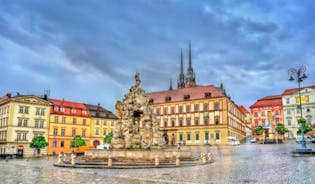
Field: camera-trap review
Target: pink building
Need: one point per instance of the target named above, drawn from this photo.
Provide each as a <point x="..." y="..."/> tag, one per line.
<point x="267" y="112"/>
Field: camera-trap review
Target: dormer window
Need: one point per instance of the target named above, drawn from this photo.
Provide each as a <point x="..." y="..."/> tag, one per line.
<point x="73" y="111"/>
<point x="56" y="108"/>
<point x="186" y="97"/>
<point x="62" y="109"/>
<point x="151" y="101"/>
<point x="168" y="99"/>
<point x="208" y="94"/>
<point x="84" y="112"/>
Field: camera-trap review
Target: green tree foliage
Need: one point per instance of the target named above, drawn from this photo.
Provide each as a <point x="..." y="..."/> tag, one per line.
<point x="108" y="138"/>
<point x="280" y="129"/>
<point x="302" y="123"/>
<point x="258" y="130"/>
<point x="77" y="141"/>
<point x="38" y="142"/>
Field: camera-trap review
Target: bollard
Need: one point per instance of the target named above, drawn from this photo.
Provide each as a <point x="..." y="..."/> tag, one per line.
<point x="110" y="161"/>
<point x="157" y="160"/>
<point x="72" y="159"/>
<point x="177" y="161"/>
<point x="59" y="158"/>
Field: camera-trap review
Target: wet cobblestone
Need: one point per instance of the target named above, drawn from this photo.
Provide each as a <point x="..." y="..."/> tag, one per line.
<point x="248" y="163"/>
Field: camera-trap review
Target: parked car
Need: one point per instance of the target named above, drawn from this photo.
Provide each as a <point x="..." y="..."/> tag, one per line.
<point x="233" y="141"/>
<point x="252" y="140"/>
<point x="104" y="146"/>
<point x="307" y="138"/>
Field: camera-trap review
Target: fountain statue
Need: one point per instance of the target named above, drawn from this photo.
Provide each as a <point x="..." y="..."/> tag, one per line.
<point x="137" y="126"/>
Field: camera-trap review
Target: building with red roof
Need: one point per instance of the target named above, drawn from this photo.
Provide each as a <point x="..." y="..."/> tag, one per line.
<point x="267" y="112"/>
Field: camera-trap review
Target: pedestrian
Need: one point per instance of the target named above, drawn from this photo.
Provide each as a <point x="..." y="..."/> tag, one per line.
<point x="178" y="147"/>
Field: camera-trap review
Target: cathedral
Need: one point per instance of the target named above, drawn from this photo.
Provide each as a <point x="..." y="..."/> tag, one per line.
<point x="189" y="80"/>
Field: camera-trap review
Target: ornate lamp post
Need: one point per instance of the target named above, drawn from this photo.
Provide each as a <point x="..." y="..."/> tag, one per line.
<point x="299" y="75"/>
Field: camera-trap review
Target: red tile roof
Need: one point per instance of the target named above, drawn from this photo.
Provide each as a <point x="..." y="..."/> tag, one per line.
<point x="243" y="109"/>
<point x="177" y="95"/>
<point x="63" y="103"/>
<point x="268" y="101"/>
<point x="294" y="90"/>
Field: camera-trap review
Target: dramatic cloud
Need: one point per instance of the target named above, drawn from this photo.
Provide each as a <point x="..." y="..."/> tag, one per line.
<point x="89" y="51"/>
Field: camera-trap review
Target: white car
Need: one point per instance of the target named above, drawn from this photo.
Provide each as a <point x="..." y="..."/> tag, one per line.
<point x="103" y="146"/>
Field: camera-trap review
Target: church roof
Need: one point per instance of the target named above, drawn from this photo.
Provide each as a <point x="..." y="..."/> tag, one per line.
<point x="268" y="101"/>
<point x="177" y="95"/>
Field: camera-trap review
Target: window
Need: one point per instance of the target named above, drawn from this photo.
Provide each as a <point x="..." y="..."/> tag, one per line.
<point x="97" y="122"/>
<point x="42" y="112"/>
<point x="180" y="122"/>
<point x="55" y="131"/>
<point x="188" y="122"/>
<point x="165" y="123"/>
<point x="263" y="113"/>
<point x="256" y="122"/>
<point x="308" y="109"/>
<point x="73" y="132"/>
<point x="289" y="122"/>
<point x="188" y="136"/>
<point x="36" y="123"/>
<point x="21" y="109"/>
<point x="63" y="132"/>
<point x="263" y="122"/>
<point x="62" y="109"/>
<point x="173" y="110"/>
<point x="180" y="109"/>
<point x="158" y="111"/>
<point x="56" y="119"/>
<point x="207" y="95"/>
<point x="168" y="99"/>
<point x="97" y="131"/>
<point x="165" y="110"/>
<point x="104" y="132"/>
<point x="112" y="123"/>
<point x="74" y="120"/>
<point x="41" y="124"/>
<point x="216" y="106"/>
<point x="25" y="123"/>
<point x="187" y="108"/>
<point x="180" y="137"/>
<point x="216" y="119"/>
<point x="206" y="135"/>
<point x="62" y="144"/>
<point x="56" y="108"/>
<point x="255" y="114"/>
<point x="18" y="136"/>
<point x="276" y="112"/>
<point x="20" y="122"/>
<point x="288" y="111"/>
<point x="196" y="107"/>
<point x="197" y="136"/>
<point x="277" y="121"/>
<point x="105" y="123"/>
<point x="63" y="120"/>
<point x="186" y="97"/>
<point x="217" y="135"/>
<point x="205" y="107"/>
<point x="287" y="100"/>
<point x="298" y="109"/>
<point x="173" y="123"/>
<point x="196" y="122"/>
<point x="206" y="121"/>
<point x="84" y="112"/>
<point x="84" y="122"/>
<point x="37" y="111"/>
<point x="83" y="132"/>
<point x="26" y="110"/>
<point x="309" y="120"/>
<point x="73" y="111"/>
<point x="24" y="136"/>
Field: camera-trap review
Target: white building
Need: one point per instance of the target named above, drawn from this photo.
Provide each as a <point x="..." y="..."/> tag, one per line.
<point x="291" y="108"/>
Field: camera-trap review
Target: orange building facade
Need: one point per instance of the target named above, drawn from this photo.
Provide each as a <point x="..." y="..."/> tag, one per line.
<point x="267" y="112"/>
<point x="67" y="119"/>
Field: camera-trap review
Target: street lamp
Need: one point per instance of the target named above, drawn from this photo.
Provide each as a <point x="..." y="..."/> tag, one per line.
<point x="299" y="75"/>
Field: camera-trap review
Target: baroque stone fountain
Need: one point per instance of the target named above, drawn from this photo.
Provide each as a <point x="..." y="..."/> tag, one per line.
<point x="137" y="141"/>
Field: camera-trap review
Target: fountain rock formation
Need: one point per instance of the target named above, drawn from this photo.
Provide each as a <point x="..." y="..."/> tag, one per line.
<point x="137" y="126"/>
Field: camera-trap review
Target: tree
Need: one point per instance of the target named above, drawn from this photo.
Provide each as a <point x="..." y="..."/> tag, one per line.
<point x="306" y="127"/>
<point x="77" y="141"/>
<point x="37" y="143"/>
<point x="258" y="130"/>
<point x="280" y="129"/>
<point x="108" y="138"/>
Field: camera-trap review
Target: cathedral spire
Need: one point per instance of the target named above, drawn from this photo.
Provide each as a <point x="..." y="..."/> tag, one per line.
<point x="189" y="57"/>
<point x="190" y="76"/>
<point x="181" y="80"/>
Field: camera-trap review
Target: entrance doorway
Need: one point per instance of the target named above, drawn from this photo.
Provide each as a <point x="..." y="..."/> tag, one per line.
<point x="96" y="143"/>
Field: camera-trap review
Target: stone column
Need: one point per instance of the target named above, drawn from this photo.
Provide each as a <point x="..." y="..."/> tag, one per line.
<point x="157" y="160"/>
<point x="59" y="158"/>
<point x="177" y="161"/>
<point x="110" y="161"/>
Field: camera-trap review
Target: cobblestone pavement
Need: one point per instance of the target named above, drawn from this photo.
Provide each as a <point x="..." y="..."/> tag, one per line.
<point x="247" y="163"/>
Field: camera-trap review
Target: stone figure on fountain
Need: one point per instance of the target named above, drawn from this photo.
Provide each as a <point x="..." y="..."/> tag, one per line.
<point x="137" y="126"/>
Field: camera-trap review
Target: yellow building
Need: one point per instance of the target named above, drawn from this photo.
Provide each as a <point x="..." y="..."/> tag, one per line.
<point x="22" y="118"/>
<point x="102" y="123"/>
<point x="197" y="115"/>
<point x="67" y="119"/>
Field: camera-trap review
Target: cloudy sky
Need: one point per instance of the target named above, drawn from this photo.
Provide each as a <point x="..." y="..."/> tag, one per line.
<point x="88" y="51"/>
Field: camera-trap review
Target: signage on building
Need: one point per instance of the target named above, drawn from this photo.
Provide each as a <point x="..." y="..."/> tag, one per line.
<point x="304" y="99"/>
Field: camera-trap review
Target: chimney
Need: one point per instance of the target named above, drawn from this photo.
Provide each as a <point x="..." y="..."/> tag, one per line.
<point x="8" y="95"/>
